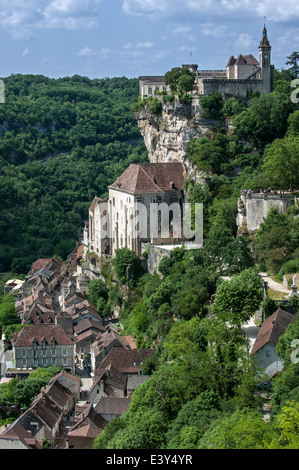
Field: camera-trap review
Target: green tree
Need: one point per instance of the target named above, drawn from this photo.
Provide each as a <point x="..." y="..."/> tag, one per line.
<point x="127" y="265"/>
<point x="180" y="79"/>
<point x="211" y="106"/>
<point x="238" y="298"/>
<point x="97" y="290"/>
<point x="240" y="430"/>
<point x="293" y="60"/>
<point x="7" y="311"/>
<point x="281" y="165"/>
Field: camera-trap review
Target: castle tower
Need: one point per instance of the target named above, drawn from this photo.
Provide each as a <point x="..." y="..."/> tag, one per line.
<point x="265" y="63"/>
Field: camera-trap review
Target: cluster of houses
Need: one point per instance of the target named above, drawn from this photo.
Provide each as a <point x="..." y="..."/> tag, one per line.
<point x="63" y="329"/>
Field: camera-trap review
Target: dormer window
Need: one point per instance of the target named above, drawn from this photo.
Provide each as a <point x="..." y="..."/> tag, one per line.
<point x="34" y="344"/>
<point x="44" y="344"/>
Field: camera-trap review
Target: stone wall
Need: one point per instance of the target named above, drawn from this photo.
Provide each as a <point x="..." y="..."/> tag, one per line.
<point x="237" y="88"/>
<point x="252" y="210"/>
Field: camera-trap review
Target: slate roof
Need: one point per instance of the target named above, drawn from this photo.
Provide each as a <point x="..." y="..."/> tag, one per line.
<point x="272" y="329"/>
<point x="242" y="60"/>
<point x="150" y="178"/>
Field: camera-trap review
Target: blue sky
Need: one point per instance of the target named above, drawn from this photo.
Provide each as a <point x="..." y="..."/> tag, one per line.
<point x="113" y="38"/>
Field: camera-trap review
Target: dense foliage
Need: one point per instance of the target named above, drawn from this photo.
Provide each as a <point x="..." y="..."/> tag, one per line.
<point x="62" y="142"/>
<point x="204" y="389"/>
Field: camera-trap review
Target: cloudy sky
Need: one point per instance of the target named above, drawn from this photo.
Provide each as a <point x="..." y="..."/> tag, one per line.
<point x="112" y="38"/>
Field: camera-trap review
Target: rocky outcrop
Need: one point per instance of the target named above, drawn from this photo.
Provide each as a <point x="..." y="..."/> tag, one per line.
<point x="166" y="136"/>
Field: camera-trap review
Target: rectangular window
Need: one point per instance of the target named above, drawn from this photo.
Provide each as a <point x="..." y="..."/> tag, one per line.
<point x="35" y="362"/>
<point x="53" y="361"/>
<point x="24" y="353"/>
<point x="24" y="362"/>
<point x="53" y="352"/>
<point x="64" y="352"/>
<point x="44" y="362"/>
<point x="44" y="353"/>
<point x="65" y="361"/>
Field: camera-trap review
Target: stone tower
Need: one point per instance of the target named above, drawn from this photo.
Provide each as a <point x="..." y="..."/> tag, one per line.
<point x="265" y="63"/>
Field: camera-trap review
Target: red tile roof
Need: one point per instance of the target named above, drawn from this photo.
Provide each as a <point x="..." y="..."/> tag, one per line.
<point x="150" y="178"/>
<point x="27" y="335"/>
<point x="127" y="361"/>
<point x="272" y="329"/>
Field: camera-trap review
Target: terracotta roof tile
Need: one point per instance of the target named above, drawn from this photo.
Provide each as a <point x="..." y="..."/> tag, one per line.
<point x="150" y="178"/>
<point x="272" y="329"/>
<point x="27" y="335"/>
<point x="127" y="361"/>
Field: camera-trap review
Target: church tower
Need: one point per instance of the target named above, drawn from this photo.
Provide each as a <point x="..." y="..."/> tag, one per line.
<point x="265" y="63"/>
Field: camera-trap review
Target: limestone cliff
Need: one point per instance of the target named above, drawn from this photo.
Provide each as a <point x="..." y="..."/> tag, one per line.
<point x="166" y="136"/>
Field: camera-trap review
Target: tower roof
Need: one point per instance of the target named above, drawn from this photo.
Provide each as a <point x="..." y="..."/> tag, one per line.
<point x="265" y="41"/>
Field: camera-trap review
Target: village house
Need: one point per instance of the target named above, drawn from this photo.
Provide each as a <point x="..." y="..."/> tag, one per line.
<point x="43" y="346"/>
<point x="127" y="361"/>
<point x="104" y="344"/>
<point x="107" y="382"/>
<point x="110" y="408"/>
<point x="87" y="425"/>
<point x="83" y="310"/>
<point x="264" y="347"/>
<point x="45" y="418"/>
<point x="85" y="334"/>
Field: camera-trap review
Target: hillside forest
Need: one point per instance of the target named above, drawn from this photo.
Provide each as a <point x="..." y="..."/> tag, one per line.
<point x="64" y="141"/>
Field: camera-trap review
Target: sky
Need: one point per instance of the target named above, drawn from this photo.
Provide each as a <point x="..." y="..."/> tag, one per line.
<point x="115" y="38"/>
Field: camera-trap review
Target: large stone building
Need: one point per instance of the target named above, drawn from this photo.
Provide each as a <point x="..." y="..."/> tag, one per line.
<point x="242" y="75"/>
<point x="43" y="346"/>
<point x="127" y="217"/>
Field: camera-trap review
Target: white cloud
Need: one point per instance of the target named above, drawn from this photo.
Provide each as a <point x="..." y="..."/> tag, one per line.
<point x="145" y="7"/>
<point x="86" y="52"/>
<point x="22" y="18"/>
<point x="182" y="29"/>
<point x="25" y="52"/>
<point x="215" y="30"/>
<point x="244" y="40"/>
<point x="274" y="10"/>
<point x="145" y="45"/>
<point x="89" y="52"/>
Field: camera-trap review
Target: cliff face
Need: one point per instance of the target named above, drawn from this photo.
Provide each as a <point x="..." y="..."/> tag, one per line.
<point x="166" y="136"/>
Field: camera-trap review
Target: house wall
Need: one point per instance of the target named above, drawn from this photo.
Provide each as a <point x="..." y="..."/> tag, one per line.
<point x="12" y="444"/>
<point x="269" y="360"/>
<point x="27" y="356"/>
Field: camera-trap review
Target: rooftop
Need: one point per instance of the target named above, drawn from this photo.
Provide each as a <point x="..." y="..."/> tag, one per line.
<point x="150" y="178"/>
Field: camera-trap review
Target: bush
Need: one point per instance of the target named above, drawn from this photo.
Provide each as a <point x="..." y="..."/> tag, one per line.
<point x="291" y="266"/>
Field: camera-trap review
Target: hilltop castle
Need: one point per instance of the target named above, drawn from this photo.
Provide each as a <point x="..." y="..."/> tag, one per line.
<point x="242" y="75"/>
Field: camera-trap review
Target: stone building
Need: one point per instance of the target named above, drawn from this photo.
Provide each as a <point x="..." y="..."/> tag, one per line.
<point x="43" y="346"/>
<point x="124" y="219"/>
<point x="242" y="75"/>
<point x="264" y="347"/>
